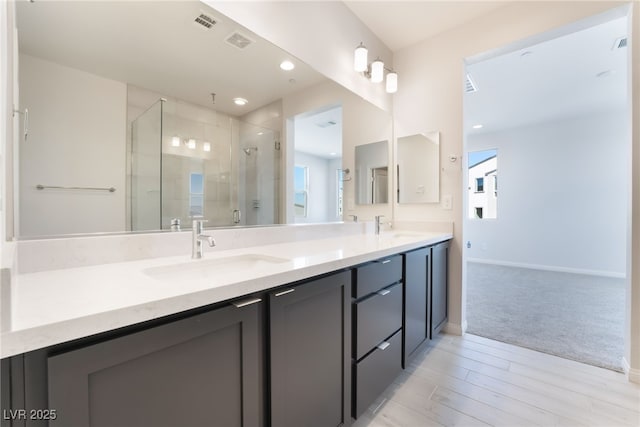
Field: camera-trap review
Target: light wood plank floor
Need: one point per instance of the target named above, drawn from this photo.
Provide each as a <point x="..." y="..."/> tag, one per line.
<point x="475" y="381"/>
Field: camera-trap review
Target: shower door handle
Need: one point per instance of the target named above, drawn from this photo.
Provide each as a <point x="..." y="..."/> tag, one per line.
<point x="236" y="216"/>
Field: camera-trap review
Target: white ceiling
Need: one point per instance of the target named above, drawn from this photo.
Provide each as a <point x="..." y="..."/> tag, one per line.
<point x="551" y="80"/>
<point x="156" y="45"/>
<point x="316" y="135"/>
<point x="403" y="23"/>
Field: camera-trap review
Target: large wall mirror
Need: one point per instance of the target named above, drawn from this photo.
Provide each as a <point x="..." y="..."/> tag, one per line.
<point x="144" y="113"/>
<point x="372" y="173"/>
<point x="418" y="168"/>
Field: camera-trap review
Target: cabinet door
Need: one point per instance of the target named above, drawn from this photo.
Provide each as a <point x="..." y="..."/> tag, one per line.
<point x="439" y="288"/>
<point x="204" y="370"/>
<point x="310" y="361"/>
<point x="416" y="300"/>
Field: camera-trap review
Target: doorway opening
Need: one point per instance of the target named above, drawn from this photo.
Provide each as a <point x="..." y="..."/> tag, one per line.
<point x="545" y="261"/>
<point x="317" y="174"/>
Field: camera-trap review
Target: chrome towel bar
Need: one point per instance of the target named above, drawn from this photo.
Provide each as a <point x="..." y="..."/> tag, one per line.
<point x="109" y="189"/>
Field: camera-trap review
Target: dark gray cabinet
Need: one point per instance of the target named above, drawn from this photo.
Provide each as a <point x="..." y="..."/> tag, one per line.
<point x="417" y="319"/>
<point x="310" y="339"/>
<point x="201" y="370"/>
<point x="314" y="353"/>
<point x="377" y="344"/>
<point x="439" y="287"/>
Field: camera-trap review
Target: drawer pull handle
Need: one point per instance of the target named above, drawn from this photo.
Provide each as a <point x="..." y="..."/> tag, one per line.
<point x="384" y="292"/>
<point x="288" y="291"/>
<point x="246" y="302"/>
<point x="383" y="345"/>
<point x="386" y="261"/>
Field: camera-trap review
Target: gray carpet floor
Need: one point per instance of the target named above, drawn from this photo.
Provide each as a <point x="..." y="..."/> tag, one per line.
<point x="575" y="316"/>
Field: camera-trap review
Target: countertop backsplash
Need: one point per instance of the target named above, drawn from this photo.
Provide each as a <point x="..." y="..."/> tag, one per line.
<point x="71" y="252"/>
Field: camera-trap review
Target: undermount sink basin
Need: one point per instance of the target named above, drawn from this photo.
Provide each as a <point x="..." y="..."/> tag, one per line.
<point x="199" y="269"/>
<point x="404" y="234"/>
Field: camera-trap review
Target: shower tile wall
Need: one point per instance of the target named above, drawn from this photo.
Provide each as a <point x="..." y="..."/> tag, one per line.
<point x="232" y="179"/>
<point x="178" y="163"/>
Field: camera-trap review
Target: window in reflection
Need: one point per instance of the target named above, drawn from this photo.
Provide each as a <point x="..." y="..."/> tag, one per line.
<point x="196" y="195"/>
<point x="301" y="188"/>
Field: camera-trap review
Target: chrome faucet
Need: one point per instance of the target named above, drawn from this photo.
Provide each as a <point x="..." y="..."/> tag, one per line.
<point x="198" y="237"/>
<point x="378" y="222"/>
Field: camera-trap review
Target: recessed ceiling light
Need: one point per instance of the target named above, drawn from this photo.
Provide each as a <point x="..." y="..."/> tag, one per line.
<point x="287" y="65"/>
<point x="240" y="101"/>
<point x="477" y="126"/>
<point x="260" y="133"/>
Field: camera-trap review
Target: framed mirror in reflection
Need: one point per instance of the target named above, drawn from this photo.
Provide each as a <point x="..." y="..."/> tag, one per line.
<point x="418" y="168"/>
<point x="372" y="173"/>
<point x="173" y="105"/>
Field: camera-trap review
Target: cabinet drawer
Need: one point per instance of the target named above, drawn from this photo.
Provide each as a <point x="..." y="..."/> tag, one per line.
<point x="376" y="318"/>
<point x="375" y="372"/>
<point x="378" y="274"/>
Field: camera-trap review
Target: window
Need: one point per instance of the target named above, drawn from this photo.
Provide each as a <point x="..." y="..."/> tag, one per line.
<point x="482" y="178"/>
<point x="301" y="190"/>
<point x="196" y="194"/>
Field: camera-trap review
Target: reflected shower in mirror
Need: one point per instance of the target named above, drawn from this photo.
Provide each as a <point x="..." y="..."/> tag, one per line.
<point x="372" y="173"/>
<point x="483" y="184"/>
<point x="418" y="168"/>
<point x="188" y="162"/>
<point x="136" y="105"/>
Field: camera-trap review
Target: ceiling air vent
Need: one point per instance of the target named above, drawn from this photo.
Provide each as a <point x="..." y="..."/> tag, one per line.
<point x="620" y="43"/>
<point x="205" y="20"/>
<point x="239" y="40"/>
<point x="469" y="85"/>
<point x="326" y="124"/>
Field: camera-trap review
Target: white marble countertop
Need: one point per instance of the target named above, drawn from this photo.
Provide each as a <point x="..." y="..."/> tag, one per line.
<point x="55" y="306"/>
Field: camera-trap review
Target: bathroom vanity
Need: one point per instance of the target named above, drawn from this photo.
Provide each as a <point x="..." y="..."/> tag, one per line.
<point x="310" y="336"/>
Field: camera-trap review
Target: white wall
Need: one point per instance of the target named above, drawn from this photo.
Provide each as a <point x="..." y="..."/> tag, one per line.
<point x="77" y="137"/>
<point x="5" y="108"/>
<point x="320" y="207"/>
<point x="632" y="330"/>
<point x="430" y="98"/>
<point x="562" y="196"/>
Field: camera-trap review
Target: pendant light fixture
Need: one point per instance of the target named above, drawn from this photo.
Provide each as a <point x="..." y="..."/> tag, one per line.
<point x="377" y="71"/>
<point x="392" y="82"/>
<point x="360" y="63"/>
<point x="374" y="71"/>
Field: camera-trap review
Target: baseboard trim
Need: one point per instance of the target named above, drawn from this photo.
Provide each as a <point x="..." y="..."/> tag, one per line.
<point x="454" y="328"/>
<point x="549" y="268"/>
<point x="633" y="375"/>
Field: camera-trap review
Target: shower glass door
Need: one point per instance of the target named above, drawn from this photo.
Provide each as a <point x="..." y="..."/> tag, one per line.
<point x="146" y="134"/>
<point x="196" y="166"/>
<point x="258" y="175"/>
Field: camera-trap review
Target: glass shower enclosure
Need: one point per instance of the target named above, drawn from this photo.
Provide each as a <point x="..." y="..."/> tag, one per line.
<point x="188" y="162"/>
